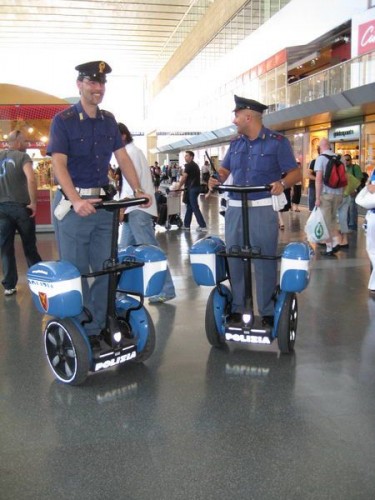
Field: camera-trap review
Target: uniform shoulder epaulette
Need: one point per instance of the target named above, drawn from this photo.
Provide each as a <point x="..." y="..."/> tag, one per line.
<point x="107" y="113"/>
<point x="68" y="113"/>
<point x="276" y="135"/>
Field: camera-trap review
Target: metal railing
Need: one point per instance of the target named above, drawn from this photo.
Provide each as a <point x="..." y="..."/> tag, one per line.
<point x="344" y="76"/>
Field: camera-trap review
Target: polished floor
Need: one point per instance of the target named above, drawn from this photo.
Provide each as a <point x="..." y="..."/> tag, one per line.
<point x="195" y="422"/>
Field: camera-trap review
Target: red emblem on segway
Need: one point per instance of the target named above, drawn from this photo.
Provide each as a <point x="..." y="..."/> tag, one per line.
<point x="43" y="300"/>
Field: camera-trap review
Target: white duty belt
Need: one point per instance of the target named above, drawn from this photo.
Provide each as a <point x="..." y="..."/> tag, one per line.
<point x="264" y="202"/>
<point x="97" y="191"/>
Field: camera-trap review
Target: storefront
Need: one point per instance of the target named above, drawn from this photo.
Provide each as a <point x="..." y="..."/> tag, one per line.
<point x="346" y="140"/>
<point x="31" y="112"/>
<point x="368" y="144"/>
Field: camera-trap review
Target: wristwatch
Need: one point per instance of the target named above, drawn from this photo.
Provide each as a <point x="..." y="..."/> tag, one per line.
<point x="139" y="191"/>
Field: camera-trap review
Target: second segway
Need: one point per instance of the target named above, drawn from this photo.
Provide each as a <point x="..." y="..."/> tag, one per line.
<point x="209" y="256"/>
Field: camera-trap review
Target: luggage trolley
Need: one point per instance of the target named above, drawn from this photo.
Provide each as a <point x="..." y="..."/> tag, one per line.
<point x="208" y="257"/>
<point x="129" y="334"/>
<point x="169" y="208"/>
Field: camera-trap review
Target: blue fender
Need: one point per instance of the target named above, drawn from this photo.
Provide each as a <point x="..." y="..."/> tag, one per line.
<point x="138" y="319"/>
<point x="220" y="302"/>
<point x="278" y="307"/>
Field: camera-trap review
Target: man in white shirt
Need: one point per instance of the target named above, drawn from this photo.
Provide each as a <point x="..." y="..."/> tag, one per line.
<point x="138" y="229"/>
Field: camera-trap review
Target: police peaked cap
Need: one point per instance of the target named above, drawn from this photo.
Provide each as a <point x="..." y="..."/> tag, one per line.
<point x="242" y="103"/>
<point x="94" y="71"/>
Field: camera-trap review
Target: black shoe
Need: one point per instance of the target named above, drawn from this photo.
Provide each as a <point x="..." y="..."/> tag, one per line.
<point x="344" y="246"/>
<point x="336" y="248"/>
<point x="267" y="320"/>
<point x="328" y="254"/>
<point x="235" y="318"/>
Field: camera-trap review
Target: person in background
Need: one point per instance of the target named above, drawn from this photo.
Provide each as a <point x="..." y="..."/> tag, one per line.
<point x="156" y="175"/>
<point x="82" y="141"/>
<point x="138" y="227"/>
<point x="206" y="172"/>
<point x="174" y="172"/>
<point x="328" y="199"/>
<point x="296" y="192"/>
<point x="355" y="170"/>
<point x="18" y="195"/>
<point x="191" y="178"/>
<point x="343" y="210"/>
<point x="311" y="174"/>
<point x="258" y="156"/>
<point x="286" y="207"/>
<point x="370" y="237"/>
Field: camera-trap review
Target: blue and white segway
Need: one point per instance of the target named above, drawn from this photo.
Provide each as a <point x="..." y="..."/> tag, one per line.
<point x="129" y="333"/>
<point x="208" y="257"/>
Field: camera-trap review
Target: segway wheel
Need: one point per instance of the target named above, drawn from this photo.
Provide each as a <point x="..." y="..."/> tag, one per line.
<point x="67" y="351"/>
<point x="287" y="326"/>
<point x="149" y="346"/>
<point x="212" y="333"/>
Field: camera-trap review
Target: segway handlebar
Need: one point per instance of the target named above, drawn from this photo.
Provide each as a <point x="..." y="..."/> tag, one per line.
<point x="117" y="204"/>
<point x="242" y="189"/>
<point x="171" y="191"/>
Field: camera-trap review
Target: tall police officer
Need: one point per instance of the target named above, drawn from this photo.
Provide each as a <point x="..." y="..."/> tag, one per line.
<point x="82" y="140"/>
<point x="256" y="157"/>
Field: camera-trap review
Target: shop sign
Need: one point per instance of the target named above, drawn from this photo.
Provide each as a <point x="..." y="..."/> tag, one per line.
<point x="366" y="37"/>
<point x="344" y="134"/>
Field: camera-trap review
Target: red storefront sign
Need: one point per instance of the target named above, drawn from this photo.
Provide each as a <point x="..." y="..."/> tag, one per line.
<point x="366" y="37"/>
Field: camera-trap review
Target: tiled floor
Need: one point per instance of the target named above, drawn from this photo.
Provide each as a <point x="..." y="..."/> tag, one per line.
<point x="195" y="422"/>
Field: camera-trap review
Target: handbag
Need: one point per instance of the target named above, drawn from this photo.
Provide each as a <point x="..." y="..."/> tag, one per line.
<point x="316" y="229"/>
<point x="365" y="199"/>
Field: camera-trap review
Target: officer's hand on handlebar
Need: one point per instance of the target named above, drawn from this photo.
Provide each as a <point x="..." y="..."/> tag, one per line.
<point x="150" y="201"/>
<point x="276" y="188"/>
<point x="212" y="182"/>
<point x="85" y="207"/>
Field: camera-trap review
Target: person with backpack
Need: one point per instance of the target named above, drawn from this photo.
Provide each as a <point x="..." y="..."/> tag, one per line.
<point x="329" y="172"/>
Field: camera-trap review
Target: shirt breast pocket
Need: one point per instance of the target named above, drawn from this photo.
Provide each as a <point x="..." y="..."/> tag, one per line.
<point x="106" y="141"/>
<point x="81" y="146"/>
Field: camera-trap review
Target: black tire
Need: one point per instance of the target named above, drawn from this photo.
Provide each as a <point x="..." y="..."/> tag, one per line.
<point x="67" y="351"/>
<point x="212" y="333"/>
<point x="149" y="347"/>
<point x="287" y="327"/>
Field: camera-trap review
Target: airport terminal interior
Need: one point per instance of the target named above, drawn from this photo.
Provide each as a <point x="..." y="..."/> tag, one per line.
<point x="194" y="421"/>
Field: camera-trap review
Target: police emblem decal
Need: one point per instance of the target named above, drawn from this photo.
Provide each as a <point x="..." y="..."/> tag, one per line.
<point x="43" y="300"/>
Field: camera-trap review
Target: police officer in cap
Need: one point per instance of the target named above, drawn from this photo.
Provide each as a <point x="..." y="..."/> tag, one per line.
<point x="257" y="156"/>
<point x="82" y="141"/>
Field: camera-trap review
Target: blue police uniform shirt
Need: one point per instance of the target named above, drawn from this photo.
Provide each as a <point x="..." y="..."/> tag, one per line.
<point x="87" y="142"/>
<point x="258" y="162"/>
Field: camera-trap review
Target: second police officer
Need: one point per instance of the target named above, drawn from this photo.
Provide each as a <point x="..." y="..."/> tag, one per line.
<point x="257" y="156"/>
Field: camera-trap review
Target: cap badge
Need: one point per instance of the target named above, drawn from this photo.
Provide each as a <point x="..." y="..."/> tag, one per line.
<point x="101" y="67"/>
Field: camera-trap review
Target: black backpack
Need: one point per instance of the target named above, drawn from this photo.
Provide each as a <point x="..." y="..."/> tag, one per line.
<point x="335" y="172"/>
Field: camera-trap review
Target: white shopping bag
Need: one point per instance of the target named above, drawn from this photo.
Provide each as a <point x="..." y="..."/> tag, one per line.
<point x="316" y="229"/>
